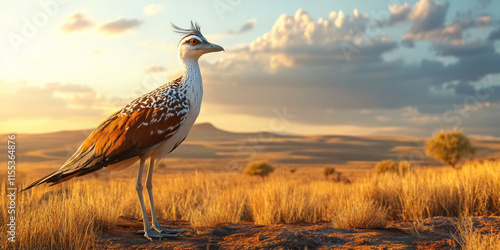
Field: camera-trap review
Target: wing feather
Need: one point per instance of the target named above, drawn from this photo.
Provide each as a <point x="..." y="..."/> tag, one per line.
<point x="131" y="132"/>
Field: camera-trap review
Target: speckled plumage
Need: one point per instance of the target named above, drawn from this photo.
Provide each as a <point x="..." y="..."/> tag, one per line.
<point x="150" y="126"/>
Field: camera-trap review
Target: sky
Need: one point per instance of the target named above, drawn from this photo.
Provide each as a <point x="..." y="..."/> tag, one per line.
<point x="405" y="68"/>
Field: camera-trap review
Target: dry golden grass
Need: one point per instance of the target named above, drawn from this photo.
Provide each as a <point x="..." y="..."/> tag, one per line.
<point x="359" y="213"/>
<point x="470" y="239"/>
<point x="418" y="227"/>
<point x="72" y="216"/>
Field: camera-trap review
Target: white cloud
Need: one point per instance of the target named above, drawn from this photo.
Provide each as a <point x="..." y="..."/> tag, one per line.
<point x="300" y="40"/>
<point x="428" y="22"/>
<point x="153" y="9"/>
<point x="300" y="63"/>
<point x="76" y="22"/>
<point x="120" y="25"/>
<point x="399" y="13"/>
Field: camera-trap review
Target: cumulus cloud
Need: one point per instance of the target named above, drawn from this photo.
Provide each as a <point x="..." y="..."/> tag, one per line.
<point x="428" y="22"/>
<point x="399" y="13"/>
<point x="152" y="9"/>
<point x="120" y="25"/>
<point x="299" y="39"/>
<point x="76" y="22"/>
<point x="428" y="15"/>
<point x="474" y="48"/>
<point x="427" y="18"/>
<point x="332" y="70"/>
<point x="336" y="70"/>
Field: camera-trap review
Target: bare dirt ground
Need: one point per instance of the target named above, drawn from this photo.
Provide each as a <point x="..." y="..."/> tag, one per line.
<point x="435" y="233"/>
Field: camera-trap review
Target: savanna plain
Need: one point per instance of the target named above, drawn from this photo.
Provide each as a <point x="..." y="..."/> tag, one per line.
<point x="202" y="189"/>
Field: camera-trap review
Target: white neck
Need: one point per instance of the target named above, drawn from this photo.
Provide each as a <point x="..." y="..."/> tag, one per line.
<point x="192" y="82"/>
<point x="189" y="68"/>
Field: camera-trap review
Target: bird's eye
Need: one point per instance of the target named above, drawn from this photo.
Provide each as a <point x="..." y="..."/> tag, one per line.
<point x="193" y="41"/>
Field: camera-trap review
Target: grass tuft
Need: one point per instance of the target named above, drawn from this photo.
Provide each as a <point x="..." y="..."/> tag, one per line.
<point x="470" y="239"/>
<point x="354" y="214"/>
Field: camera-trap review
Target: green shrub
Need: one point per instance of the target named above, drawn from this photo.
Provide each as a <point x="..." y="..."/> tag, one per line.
<point x="259" y="168"/>
<point x="390" y="166"/>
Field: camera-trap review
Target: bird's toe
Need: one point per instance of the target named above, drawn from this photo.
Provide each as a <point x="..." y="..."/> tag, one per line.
<point x="150" y="234"/>
<point x="160" y="229"/>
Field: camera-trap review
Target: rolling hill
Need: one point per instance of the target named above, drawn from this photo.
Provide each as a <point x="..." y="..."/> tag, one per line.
<point x="208" y="147"/>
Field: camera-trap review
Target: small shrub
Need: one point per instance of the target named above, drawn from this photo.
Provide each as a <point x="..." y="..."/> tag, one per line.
<point x="449" y="147"/>
<point x="292" y="170"/>
<point x="327" y="171"/>
<point x="390" y="166"/>
<point x="259" y="168"/>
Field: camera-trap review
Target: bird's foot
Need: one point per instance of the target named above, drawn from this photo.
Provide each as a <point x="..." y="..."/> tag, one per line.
<point x="150" y="234"/>
<point x="160" y="229"/>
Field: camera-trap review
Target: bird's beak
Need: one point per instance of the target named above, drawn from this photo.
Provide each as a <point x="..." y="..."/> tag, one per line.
<point x="212" y="48"/>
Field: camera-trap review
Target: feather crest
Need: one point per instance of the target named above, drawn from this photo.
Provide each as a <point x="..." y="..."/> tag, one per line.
<point x="195" y="29"/>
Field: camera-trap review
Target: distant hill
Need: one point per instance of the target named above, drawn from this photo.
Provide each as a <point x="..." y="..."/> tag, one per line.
<point x="208" y="142"/>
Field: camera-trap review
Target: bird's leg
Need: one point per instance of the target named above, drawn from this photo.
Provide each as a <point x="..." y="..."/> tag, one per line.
<point x="148" y="233"/>
<point x="149" y="185"/>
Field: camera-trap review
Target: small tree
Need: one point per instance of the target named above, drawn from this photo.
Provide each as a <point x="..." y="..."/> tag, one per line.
<point x="390" y="166"/>
<point x="449" y="147"/>
<point x="327" y="171"/>
<point x="259" y="168"/>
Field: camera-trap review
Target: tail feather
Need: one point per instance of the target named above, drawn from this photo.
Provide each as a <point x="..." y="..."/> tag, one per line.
<point x="57" y="177"/>
<point x="47" y="179"/>
<point x="66" y="173"/>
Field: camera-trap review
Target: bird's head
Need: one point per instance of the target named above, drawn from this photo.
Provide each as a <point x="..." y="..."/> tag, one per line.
<point x="194" y="44"/>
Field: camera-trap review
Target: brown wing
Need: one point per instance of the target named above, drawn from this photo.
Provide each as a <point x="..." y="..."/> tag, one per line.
<point x="130" y="132"/>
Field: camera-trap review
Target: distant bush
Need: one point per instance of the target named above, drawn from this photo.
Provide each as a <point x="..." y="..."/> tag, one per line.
<point x="259" y="168"/>
<point x="390" y="166"/>
<point x="327" y="171"/>
<point x="449" y="147"/>
<point x="292" y="170"/>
